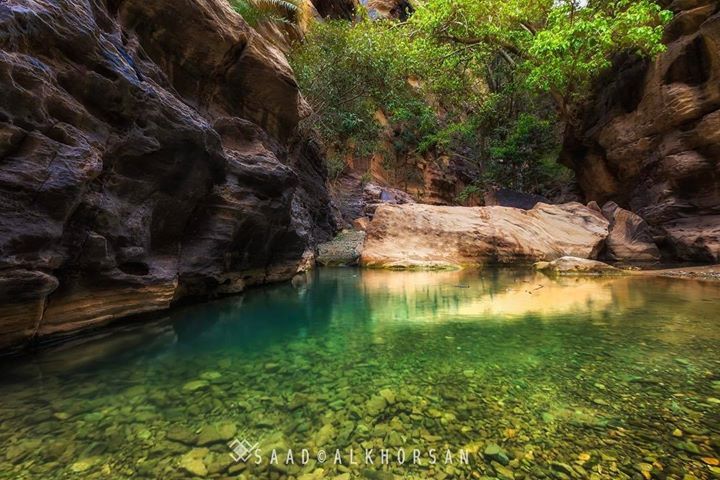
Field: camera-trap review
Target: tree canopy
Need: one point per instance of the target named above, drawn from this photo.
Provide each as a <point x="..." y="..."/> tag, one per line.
<point x="559" y="46"/>
<point x="470" y="78"/>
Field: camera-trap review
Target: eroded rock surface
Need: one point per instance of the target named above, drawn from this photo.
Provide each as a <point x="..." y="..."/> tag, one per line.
<point x="630" y="237"/>
<point x="147" y="152"/>
<point x="425" y="236"/>
<point x="577" y="266"/>
<point x="375" y="195"/>
<point x="356" y="198"/>
<point x="649" y="141"/>
<point x="342" y="251"/>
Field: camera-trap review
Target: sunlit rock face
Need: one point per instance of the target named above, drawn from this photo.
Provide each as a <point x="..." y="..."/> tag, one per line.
<point x="650" y="138"/>
<point x="147" y="152"/>
<point x="425" y="236"/>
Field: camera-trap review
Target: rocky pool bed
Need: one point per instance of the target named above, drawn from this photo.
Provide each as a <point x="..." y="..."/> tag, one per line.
<point x="526" y="376"/>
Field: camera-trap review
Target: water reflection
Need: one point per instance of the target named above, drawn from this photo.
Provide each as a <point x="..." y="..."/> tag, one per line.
<point x="453" y="296"/>
<point x="549" y="369"/>
<point x="504" y="294"/>
<point x="273" y="315"/>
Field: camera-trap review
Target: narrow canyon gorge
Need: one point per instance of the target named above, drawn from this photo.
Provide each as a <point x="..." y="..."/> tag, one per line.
<point x="150" y="152"/>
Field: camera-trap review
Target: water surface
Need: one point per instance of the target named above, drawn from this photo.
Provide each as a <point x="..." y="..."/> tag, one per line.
<point x="530" y="377"/>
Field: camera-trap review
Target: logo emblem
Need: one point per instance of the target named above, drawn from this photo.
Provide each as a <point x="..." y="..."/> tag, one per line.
<point x="242" y="450"/>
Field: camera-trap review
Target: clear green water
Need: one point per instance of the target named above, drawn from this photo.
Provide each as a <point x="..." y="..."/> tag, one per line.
<point x="575" y="378"/>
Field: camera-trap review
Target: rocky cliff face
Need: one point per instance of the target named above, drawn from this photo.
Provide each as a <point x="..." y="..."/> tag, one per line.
<point x="651" y="138"/>
<point x="147" y="153"/>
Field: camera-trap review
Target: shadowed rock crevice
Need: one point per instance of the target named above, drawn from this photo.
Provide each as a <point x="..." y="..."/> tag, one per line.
<point x="693" y="66"/>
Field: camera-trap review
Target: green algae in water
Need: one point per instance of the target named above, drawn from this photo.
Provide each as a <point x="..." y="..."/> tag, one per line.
<point x="601" y="378"/>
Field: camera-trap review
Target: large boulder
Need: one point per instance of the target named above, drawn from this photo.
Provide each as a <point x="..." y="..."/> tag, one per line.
<point x="630" y="238"/>
<point x="577" y="266"/>
<point x="375" y="195"/>
<point x="649" y="139"/>
<point x="425" y="236"/>
<point x="343" y="250"/>
<point x="147" y="152"/>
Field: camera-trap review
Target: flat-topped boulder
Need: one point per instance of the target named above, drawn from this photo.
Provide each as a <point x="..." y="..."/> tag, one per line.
<point x="427" y="236"/>
<point x="577" y="266"/>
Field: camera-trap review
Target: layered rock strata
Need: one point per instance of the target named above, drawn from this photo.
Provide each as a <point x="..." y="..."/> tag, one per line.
<point x="425" y="236"/>
<point x="147" y="153"/>
<point x="630" y="237"/>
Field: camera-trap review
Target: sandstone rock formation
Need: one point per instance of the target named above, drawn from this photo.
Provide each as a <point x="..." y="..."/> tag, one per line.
<point x="649" y="140"/>
<point x="147" y="152"/>
<point x="424" y="236"/>
<point x="577" y="266"/>
<point x="435" y="179"/>
<point x="343" y="250"/>
<point x="375" y="195"/>
<point x="630" y="237"/>
<point x="361" y="224"/>
<point x="354" y="198"/>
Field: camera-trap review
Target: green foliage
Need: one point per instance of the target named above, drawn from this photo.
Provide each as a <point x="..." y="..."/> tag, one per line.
<point x="515" y="157"/>
<point x="577" y="44"/>
<point x="351" y="72"/>
<point x="462" y="132"/>
<point x="366" y="178"/>
<point x="335" y="165"/>
<point x="344" y="75"/>
<point x="560" y="46"/>
<point x="255" y="12"/>
<point x="487" y="81"/>
<point x="468" y="192"/>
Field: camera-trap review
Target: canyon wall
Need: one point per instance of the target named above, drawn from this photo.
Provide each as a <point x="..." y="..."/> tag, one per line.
<point x="650" y="139"/>
<point x="147" y="153"/>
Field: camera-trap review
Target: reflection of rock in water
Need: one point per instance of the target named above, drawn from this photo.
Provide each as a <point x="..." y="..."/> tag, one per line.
<point x="260" y="317"/>
<point x="91" y="351"/>
<point x="194" y="321"/>
<point x="433" y="296"/>
<point x="511" y="296"/>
